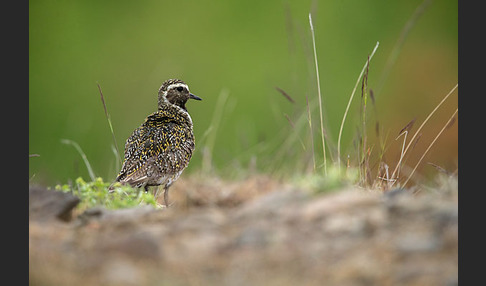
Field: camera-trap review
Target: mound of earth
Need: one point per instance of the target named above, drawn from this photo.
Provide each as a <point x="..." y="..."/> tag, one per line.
<point x="256" y="232"/>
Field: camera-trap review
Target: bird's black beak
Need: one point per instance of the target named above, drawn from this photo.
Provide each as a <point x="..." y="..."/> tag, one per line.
<point x="194" y="96"/>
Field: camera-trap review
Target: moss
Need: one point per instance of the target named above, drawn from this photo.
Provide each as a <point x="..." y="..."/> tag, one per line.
<point x="96" y="193"/>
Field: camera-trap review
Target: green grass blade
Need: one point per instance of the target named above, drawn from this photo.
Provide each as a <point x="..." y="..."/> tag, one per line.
<point x="85" y="159"/>
<point x="319" y="95"/>
<point x="351" y="99"/>
<point x="109" y="122"/>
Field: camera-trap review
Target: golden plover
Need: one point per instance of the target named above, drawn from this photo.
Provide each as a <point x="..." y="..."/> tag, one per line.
<point x="160" y="149"/>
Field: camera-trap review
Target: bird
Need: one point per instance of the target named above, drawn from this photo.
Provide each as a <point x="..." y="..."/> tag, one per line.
<point x="159" y="150"/>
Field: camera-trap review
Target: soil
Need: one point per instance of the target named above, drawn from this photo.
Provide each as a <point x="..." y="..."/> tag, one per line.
<point x="253" y="232"/>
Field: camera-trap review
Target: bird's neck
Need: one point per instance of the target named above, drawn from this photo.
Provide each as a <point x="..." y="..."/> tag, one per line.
<point x="167" y="107"/>
<point x="163" y="101"/>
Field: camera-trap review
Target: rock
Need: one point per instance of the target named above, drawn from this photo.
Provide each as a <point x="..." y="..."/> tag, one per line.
<point x="47" y="204"/>
<point x="120" y="271"/>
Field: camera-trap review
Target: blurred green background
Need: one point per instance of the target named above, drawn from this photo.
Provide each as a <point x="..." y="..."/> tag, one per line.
<point x="233" y="54"/>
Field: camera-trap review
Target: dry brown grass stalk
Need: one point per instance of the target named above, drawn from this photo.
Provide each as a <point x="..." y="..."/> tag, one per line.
<point x="420" y="128"/>
<point x="452" y="119"/>
<point x="286" y="95"/>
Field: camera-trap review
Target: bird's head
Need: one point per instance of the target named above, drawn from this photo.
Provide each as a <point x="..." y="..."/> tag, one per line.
<point x="175" y="91"/>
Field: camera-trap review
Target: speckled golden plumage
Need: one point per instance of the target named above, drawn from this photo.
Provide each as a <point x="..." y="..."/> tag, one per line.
<point x="160" y="149"/>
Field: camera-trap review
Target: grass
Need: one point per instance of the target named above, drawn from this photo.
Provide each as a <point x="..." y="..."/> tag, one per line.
<point x="399" y="44"/>
<point x="309" y="119"/>
<point x="319" y="95"/>
<point x="417" y="133"/>
<point x="107" y="115"/>
<point x="365" y="68"/>
<point x="448" y="124"/>
<point x="95" y="193"/>
<point x="83" y="156"/>
<point x="211" y="133"/>
<point x="367" y="171"/>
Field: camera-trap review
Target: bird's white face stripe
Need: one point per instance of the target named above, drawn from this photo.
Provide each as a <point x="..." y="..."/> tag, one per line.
<point x="175" y="85"/>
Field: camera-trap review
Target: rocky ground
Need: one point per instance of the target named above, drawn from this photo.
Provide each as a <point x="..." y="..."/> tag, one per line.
<point x="255" y="232"/>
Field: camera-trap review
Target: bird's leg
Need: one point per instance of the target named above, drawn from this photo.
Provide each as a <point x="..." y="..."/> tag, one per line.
<point x="166" y="196"/>
<point x="145" y="188"/>
<point x="156" y="192"/>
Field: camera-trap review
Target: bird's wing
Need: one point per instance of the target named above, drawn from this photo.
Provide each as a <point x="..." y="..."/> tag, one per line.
<point x="134" y="180"/>
<point x="144" y="145"/>
<point x="160" y="140"/>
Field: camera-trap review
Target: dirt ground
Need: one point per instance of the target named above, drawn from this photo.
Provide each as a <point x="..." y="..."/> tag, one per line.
<point x="256" y="231"/>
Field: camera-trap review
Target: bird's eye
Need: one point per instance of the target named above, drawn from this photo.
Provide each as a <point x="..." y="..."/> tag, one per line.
<point x="180" y="88"/>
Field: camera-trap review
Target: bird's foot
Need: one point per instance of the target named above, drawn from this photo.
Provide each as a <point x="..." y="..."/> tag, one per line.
<point x="162" y="206"/>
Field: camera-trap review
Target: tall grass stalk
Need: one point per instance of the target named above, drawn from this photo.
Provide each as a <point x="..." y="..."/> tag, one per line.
<point x="365" y="151"/>
<point x="402" y="153"/>
<point x="430" y="146"/>
<point x="319" y="94"/>
<point x="401" y="40"/>
<point x="309" y="119"/>
<point x="288" y="142"/>
<point x="419" y="129"/>
<point x="215" y="122"/>
<point x="350" y="100"/>
<point x="109" y="123"/>
<point x="292" y="125"/>
<point x="117" y="157"/>
<point x="83" y="156"/>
